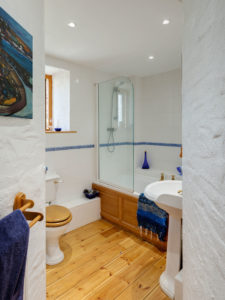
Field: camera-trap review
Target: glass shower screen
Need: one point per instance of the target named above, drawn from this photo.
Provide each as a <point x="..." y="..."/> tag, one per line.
<point x="116" y="133"/>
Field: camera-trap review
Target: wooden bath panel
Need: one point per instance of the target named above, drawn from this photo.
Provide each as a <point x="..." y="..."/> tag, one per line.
<point x="121" y="208"/>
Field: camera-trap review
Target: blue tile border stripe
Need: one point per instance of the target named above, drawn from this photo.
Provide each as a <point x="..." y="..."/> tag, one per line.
<point x="157" y="144"/>
<point x="69" y="148"/>
<point x="52" y="149"/>
<point x="117" y="144"/>
<point x="142" y="143"/>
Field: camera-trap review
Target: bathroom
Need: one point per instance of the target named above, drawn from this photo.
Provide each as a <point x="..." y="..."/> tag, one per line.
<point x="149" y="120"/>
<point x="134" y="77"/>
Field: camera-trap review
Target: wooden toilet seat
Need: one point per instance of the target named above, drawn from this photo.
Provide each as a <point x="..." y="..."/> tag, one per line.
<point x="57" y="216"/>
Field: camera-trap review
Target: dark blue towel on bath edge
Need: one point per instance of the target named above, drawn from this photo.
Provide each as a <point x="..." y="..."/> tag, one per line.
<point x="151" y="217"/>
<point x="14" y="237"/>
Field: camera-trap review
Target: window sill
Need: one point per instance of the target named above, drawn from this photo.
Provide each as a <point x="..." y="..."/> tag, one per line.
<point x="69" y="131"/>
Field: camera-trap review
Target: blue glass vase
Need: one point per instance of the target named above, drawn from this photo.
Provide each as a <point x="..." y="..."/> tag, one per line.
<point x="145" y="163"/>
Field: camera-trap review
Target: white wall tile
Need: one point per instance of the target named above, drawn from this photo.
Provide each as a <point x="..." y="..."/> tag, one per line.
<point x="158" y="119"/>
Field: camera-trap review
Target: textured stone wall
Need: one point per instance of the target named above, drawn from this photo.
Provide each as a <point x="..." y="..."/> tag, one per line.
<point x="204" y="149"/>
<point x="22" y="148"/>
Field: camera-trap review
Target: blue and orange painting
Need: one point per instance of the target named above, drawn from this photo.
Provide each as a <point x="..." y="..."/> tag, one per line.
<point x="16" y="69"/>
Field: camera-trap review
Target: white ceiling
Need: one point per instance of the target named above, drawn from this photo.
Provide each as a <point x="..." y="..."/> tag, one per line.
<point x="116" y="36"/>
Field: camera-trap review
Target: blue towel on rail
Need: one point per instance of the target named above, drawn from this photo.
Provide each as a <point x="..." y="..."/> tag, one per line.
<point x="151" y="217"/>
<point x="14" y="236"/>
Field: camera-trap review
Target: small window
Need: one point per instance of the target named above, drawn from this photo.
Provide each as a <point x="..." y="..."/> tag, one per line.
<point x="122" y="109"/>
<point x="57" y="99"/>
<point x="48" y="102"/>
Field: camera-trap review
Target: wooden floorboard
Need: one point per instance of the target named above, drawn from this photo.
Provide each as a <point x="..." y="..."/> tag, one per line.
<point x="104" y="262"/>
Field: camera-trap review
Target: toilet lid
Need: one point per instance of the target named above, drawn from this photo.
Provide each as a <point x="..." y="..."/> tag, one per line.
<point x="57" y="213"/>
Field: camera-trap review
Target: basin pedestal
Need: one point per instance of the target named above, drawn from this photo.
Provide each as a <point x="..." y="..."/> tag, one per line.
<point x="173" y="258"/>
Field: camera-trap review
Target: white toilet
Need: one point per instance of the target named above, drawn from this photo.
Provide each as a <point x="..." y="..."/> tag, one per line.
<point x="57" y="220"/>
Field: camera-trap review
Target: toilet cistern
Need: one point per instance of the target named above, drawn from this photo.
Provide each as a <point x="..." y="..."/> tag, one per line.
<point x="51" y="176"/>
<point x="51" y="180"/>
<point x="167" y="195"/>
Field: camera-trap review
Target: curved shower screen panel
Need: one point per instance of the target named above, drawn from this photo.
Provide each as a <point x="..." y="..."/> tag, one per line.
<point x="116" y="132"/>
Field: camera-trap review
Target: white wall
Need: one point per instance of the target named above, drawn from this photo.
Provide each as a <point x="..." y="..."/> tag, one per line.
<point x="78" y="167"/>
<point x="158" y="119"/>
<point x="22" y="148"/>
<point x="204" y="155"/>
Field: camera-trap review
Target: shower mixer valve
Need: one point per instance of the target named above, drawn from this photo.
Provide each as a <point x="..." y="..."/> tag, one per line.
<point x="111" y="129"/>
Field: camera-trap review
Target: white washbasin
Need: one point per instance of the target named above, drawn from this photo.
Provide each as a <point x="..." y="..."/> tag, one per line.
<point x="167" y="195"/>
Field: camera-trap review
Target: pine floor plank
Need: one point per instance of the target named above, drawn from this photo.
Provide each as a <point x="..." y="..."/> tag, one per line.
<point x="137" y="269"/>
<point x="103" y="262"/>
<point x="78" y="256"/>
<point x="156" y="294"/>
<point x="101" y="271"/>
<point x="141" y="287"/>
<point x="108" y="291"/>
<point x="115" y="285"/>
<point x="80" y="274"/>
<point x="82" y="234"/>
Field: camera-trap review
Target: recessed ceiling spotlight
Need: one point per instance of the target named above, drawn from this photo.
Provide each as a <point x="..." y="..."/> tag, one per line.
<point x="166" y="22"/>
<point x="151" y="57"/>
<point x="71" y="24"/>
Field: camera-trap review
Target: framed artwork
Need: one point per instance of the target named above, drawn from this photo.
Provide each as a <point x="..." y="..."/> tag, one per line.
<point x="16" y="69"/>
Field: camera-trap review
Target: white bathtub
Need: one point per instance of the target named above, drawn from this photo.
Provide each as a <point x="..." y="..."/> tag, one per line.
<point x="83" y="211"/>
<point x="142" y="178"/>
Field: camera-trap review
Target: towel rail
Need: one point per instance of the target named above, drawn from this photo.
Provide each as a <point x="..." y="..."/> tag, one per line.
<point x="21" y="203"/>
<point x="35" y="220"/>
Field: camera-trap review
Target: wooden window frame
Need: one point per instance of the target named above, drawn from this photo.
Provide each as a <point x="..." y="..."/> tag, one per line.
<point x="49" y="121"/>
